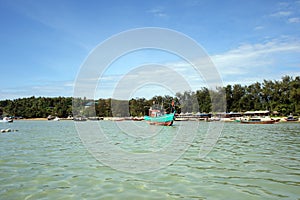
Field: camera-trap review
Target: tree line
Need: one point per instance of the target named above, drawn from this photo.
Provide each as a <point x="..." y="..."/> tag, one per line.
<point x="40" y="107"/>
<point x="282" y="96"/>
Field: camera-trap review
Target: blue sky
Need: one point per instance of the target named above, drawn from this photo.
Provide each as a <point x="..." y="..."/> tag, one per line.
<point x="45" y="42"/>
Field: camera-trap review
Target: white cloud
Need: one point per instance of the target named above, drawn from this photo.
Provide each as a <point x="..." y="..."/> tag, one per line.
<point x="146" y="78"/>
<point x="253" y="54"/>
<point x="245" y="64"/>
<point x="250" y="61"/>
<point x="294" y="20"/>
<point x="258" y="28"/>
<point x="50" y="89"/>
<point x="158" y="12"/>
<point x="283" y="4"/>
<point x="281" y="14"/>
<point x="287" y="11"/>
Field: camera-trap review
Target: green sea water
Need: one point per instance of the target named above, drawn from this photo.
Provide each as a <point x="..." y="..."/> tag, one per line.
<point x="47" y="160"/>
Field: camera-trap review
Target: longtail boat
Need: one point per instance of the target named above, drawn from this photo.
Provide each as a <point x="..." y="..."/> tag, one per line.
<point x="157" y="116"/>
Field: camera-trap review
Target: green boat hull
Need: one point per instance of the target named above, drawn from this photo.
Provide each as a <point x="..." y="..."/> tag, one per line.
<point x="166" y="120"/>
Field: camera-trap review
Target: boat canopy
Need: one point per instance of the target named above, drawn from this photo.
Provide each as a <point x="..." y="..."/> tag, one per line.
<point x="257" y="112"/>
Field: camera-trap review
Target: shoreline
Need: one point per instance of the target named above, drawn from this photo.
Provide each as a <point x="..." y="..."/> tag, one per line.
<point x="282" y="119"/>
<point x="31" y="119"/>
<point x="39" y="119"/>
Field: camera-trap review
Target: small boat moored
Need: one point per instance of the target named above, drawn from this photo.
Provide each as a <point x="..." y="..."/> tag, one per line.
<point x="53" y="118"/>
<point x="6" y="120"/>
<point x="8" y="130"/>
<point x="164" y="120"/>
<point x="291" y="118"/>
<point x="258" y="117"/>
<point x="80" y="119"/>
<point x="158" y="116"/>
<point x="258" y="120"/>
<point x="56" y="119"/>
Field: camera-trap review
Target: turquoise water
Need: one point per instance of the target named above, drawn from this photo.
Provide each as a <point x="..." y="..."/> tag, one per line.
<point x="47" y="160"/>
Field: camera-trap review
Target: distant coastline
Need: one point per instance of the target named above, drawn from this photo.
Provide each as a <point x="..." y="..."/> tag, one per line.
<point x="280" y="97"/>
<point x="279" y="118"/>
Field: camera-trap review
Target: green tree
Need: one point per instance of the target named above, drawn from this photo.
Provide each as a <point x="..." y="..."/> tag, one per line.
<point x="238" y="98"/>
<point x="204" y="100"/>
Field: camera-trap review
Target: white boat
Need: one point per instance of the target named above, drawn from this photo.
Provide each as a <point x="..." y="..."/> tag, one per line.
<point x="291" y="118"/>
<point x="50" y="117"/>
<point x="258" y="117"/>
<point x="8" y="130"/>
<point x="56" y="119"/>
<point x="7" y="120"/>
<point x="258" y="120"/>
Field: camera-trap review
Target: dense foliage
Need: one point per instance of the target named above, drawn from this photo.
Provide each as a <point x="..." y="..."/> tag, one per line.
<point x="37" y="107"/>
<point x="282" y="96"/>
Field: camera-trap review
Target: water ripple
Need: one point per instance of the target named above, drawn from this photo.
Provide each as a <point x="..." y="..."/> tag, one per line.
<point x="47" y="160"/>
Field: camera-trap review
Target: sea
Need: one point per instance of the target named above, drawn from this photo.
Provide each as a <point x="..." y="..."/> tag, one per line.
<point x="134" y="160"/>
